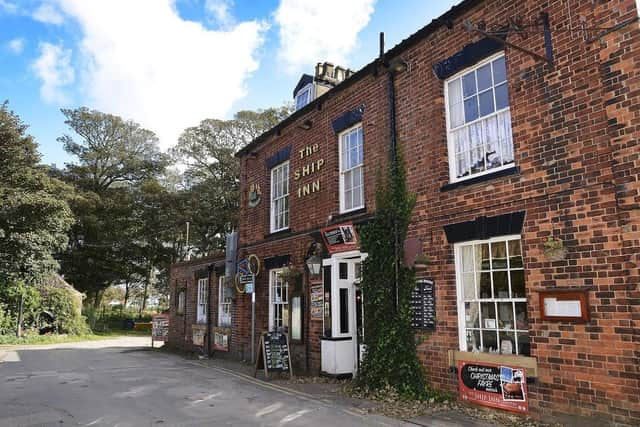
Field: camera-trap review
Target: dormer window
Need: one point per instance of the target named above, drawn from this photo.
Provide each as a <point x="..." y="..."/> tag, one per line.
<point x="304" y="96"/>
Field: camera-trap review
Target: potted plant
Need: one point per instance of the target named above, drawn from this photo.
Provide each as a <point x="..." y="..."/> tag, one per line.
<point x="554" y="249"/>
<point x="421" y="261"/>
<point x="293" y="276"/>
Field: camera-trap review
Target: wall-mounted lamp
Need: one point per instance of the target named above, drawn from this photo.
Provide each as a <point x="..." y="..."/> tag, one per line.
<point x="398" y="65"/>
<point x="313" y="261"/>
<point x="306" y="125"/>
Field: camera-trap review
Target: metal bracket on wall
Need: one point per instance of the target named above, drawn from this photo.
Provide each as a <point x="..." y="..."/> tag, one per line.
<point x="543" y="20"/>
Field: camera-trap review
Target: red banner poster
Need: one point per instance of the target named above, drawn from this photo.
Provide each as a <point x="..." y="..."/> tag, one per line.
<point x="497" y="386"/>
<point x="340" y="238"/>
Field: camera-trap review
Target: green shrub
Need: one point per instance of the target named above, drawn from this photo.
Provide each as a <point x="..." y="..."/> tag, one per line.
<point x="65" y="309"/>
<point x="10" y="294"/>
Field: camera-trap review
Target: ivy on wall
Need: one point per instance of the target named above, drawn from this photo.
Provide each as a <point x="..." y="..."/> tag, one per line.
<point x="390" y="359"/>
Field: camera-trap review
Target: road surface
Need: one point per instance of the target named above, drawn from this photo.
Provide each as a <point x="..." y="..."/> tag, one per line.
<point x="123" y="383"/>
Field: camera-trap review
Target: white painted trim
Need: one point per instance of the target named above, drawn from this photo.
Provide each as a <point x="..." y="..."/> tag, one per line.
<point x="341" y="172"/>
<point x="272" y="204"/>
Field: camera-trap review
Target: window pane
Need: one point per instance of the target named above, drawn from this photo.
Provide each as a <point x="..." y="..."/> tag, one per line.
<point x="471" y="314"/>
<point x="485" y="285"/>
<point x="469" y="84"/>
<point x="486" y="103"/>
<point x="522" y="322"/>
<point x="462" y="164"/>
<point x="517" y="284"/>
<point x="454" y="96"/>
<point x="344" y="311"/>
<point x="502" y="96"/>
<point x="345" y="151"/>
<point x="524" y="347"/>
<point x="484" y="77"/>
<point x="468" y="286"/>
<point x="488" y="315"/>
<point x="296" y="319"/>
<point x="507" y="343"/>
<point x="499" y="70"/>
<point x="467" y="258"/>
<point x="499" y="255"/>
<point x="500" y="284"/>
<point x="357" y="197"/>
<point x="357" y="177"/>
<point x="515" y="254"/>
<point x="473" y="341"/>
<point x="477" y="159"/>
<point x="489" y="341"/>
<point x="505" y="315"/>
<point x="471" y="109"/>
<point x="482" y="256"/>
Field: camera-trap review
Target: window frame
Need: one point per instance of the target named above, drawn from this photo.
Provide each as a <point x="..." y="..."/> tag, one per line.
<point x="181" y="300"/>
<point x="224" y="304"/>
<point x="307" y="89"/>
<point x="272" y="205"/>
<point x="342" y="172"/>
<point x="451" y="150"/>
<point x="460" y="299"/>
<point x="202" y="306"/>
<point x="273" y="277"/>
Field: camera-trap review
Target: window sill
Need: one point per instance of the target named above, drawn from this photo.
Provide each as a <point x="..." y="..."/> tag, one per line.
<point x="348" y="215"/>
<point x="514" y="170"/>
<point x="527" y="362"/>
<point x="278" y="233"/>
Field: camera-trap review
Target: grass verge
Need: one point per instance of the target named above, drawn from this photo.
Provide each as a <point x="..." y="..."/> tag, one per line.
<point x="31" y="339"/>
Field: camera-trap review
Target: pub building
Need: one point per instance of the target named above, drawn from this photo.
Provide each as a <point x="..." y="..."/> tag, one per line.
<point x="519" y="124"/>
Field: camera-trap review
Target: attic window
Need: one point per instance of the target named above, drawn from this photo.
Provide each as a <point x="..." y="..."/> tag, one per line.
<point x="303" y="97"/>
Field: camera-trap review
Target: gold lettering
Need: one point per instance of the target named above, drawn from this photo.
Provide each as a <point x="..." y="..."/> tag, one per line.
<point x="301" y="153"/>
<point x="305" y="170"/>
<point x="319" y="164"/>
<point x="299" y="192"/>
<point x="315" y="186"/>
<point x="296" y="175"/>
<point x="308" y="151"/>
<point x="305" y="190"/>
<point x="315" y="148"/>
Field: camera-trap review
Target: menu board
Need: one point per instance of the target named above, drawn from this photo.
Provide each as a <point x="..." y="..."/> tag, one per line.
<point x="423" y="305"/>
<point x="160" y="328"/>
<point x="317" y="301"/>
<point x="486" y="384"/>
<point x="273" y="353"/>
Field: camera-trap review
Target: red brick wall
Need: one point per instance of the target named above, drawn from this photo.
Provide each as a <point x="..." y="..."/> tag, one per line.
<point x="183" y="276"/>
<point x="575" y="130"/>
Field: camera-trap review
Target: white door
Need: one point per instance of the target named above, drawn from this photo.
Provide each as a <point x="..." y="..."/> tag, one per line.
<point x="346" y="275"/>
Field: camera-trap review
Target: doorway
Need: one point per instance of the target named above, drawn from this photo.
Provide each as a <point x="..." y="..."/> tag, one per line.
<point x="342" y="343"/>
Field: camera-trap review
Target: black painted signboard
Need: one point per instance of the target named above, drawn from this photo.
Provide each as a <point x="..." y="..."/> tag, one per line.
<point x="273" y="353"/>
<point x="423" y="305"/>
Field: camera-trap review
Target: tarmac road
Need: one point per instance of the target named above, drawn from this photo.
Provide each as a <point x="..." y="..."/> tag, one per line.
<point x="122" y="383"/>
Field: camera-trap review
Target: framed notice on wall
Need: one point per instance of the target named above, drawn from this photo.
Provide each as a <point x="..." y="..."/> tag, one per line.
<point x="340" y="238"/>
<point x="497" y="386"/>
<point x="564" y="305"/>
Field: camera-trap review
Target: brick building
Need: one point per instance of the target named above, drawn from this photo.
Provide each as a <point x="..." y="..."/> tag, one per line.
<point x="199" y="307"/>
<point x="528" y="202"/>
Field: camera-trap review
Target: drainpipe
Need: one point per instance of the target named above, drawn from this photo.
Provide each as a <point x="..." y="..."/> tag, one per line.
<point x="209" y="272"/>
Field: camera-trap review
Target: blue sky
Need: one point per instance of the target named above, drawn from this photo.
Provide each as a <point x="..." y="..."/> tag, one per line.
<point x="168" y="64"/>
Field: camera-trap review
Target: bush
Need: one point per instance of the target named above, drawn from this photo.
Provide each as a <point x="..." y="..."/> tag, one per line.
<point x="66" y="310"/>
<point x="10" y="294"/>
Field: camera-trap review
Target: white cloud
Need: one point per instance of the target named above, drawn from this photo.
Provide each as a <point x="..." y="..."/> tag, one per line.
<point x="142" y="61"/>
<point x="220" y="11"/>
<point x="7" y="6"/>
<point x="317" y="31"/>
<point x="53" y="67"/>
<point x="16" y="45"/>
<point x="48" y="14"/>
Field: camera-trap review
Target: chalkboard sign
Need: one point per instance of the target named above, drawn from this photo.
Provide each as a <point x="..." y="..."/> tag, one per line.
<point x="423" y="305"/>
<point x="273" y="354"/>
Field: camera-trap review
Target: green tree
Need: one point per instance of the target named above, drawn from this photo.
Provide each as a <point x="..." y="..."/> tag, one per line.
<point x="114" y="158"/>
<point x="34" y="219"/>
<point x="390" y="358"/>
<point x="213" y="172"/>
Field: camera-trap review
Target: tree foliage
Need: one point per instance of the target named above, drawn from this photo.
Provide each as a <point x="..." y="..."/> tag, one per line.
<point x="34" y="219"/>
<point x="212" y="175"/>
<point x="390" y="359"/>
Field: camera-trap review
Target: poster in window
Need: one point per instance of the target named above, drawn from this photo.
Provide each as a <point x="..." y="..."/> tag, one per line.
<point x="221" y="339"/>
<point x="340" y="238"/>
<point x="497" y="386"/>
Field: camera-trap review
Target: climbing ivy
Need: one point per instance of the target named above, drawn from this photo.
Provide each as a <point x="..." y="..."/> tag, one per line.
<point x="390" y="359"/>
